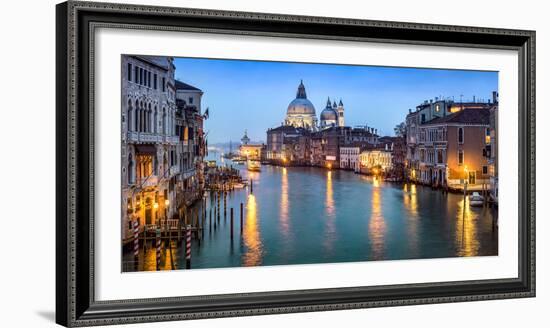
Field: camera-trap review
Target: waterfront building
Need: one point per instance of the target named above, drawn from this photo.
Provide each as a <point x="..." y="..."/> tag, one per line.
<point x="148" y="138"/>
<point x="249" y="150"/>
<point x="427" y="112"/>
<point x="493" y="149"/>
<point x="192" y="145"/>
<point x="375" y="161"/>
<point x="280" y="141"/>
<point x="452" y="150"/>
<point x="396" y="145"/>
<point x="301" y="112"/>
<point x="349" y="157"/>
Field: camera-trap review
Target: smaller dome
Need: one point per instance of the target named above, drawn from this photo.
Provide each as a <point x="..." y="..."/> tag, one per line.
<point x="329" y="114"/>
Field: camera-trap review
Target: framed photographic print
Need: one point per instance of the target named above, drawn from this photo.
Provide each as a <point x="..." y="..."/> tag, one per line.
<point x="214" y="163"/>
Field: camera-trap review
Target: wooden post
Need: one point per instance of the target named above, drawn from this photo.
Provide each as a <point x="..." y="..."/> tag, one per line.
<point x="158" y="247"/>
<point x="231" y="223"/>
<point x="136" y="244"/>
<point x="188" y="248"/>
<point x="241" y="218"/>
<point x="251" y="186"/>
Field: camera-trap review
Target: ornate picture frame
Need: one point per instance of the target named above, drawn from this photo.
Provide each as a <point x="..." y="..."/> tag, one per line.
<point x="77" y="22"/>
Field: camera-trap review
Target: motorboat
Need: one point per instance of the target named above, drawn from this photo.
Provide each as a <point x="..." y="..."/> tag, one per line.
<point x="476" y="199"/>
<point x="253" y="165"/>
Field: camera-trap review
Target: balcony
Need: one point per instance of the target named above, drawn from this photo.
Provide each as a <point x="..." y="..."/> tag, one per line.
<point x="146" y="182"/>
<point x="144" y="137"/>
<point x="173" y="140"/>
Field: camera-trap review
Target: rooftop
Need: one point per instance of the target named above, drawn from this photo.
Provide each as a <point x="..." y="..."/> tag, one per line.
<point x="184" y="86"/>
<point x="465" y="116"/>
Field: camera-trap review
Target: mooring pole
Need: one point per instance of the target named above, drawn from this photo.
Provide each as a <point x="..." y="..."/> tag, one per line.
<point x="231" y="223"/>
<point x="158" y="247"/>
<point x="241" y="218"/>
<point x="188" y="248"/>
<point x="136" y="244"/>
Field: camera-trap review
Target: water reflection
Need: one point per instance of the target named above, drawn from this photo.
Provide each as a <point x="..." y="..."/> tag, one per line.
<point x="284" y="202"/>
<point x="251" y="235"/>
<point x="466" y="230"/>
<point x="377" y="225"/>
<point x="410" y="201"/>
<point x="312" y="215"/>
<point x="330" y="211"/>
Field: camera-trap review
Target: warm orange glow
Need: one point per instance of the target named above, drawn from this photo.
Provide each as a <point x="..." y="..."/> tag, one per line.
<point x="466" y="230"/>
<point x="377" y="225"/>
<point x="166" y="202"/>
<point x="329" y="200"/>
<point x="156" y="206"/>
<point x="251" y="235"/>
<point x="329" y="166"/>
<point x="284" y="202"/>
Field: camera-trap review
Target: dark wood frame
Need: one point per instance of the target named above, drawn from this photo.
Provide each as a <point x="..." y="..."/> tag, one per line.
<point x="76" y="23"/>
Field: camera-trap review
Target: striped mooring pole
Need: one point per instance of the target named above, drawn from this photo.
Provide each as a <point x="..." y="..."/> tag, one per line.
<point x="158" y="249"/>
<point x="188" y="248"/>
<point x="136" y="244"/>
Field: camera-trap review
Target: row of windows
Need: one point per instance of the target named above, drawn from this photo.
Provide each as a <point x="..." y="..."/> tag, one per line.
<point x="144" y="77"/>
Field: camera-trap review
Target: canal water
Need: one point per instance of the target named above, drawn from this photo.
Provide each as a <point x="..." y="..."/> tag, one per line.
<point x="302" y="215"/>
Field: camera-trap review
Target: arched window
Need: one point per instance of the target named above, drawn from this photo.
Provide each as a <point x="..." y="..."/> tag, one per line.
<point x="142" y="117"/>
<point x="165" y="163"/>
<point x="149" y="118"/>
<point x="136" y="116"/>
<point x="129" y="116"/>
<point x="163" y="120"/>
<point x="155" y="121"/>
<point x="131" y="171"/>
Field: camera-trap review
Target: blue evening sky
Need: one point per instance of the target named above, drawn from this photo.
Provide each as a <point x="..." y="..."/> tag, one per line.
<point x="254" y="95"/>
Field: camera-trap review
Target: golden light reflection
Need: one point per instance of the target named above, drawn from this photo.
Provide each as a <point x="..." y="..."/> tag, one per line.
<point x="377" y="225"/>
<point x="284" y="202"/>
<point x="330" y="210"/>
<point x="466" y="231"/>
<point x="251" y="235"/>
<point x="329" y="199"/>
<point x="149" y="263"/>
<point x="410" y="202"/>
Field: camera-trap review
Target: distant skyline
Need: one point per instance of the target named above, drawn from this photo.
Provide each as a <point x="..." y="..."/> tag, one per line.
<point x="254" y="95"/>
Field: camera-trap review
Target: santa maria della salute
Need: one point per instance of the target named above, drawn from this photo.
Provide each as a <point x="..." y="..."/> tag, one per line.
<point x="301" y="113"/>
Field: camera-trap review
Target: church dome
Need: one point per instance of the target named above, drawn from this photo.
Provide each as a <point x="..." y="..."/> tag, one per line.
<point x="301" y="105"/>
<point x="329" y="114"/>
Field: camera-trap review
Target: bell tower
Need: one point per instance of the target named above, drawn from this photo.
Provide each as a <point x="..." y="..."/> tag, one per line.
<point x="340" y="111"/>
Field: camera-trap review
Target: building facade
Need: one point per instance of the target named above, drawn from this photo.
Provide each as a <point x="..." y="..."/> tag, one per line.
<point x="452" y="150"/>
<point x="428" y="139"/>
<point x="161" y="142"/>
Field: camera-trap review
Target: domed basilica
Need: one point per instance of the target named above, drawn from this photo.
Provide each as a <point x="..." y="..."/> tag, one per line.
<point x="301" y="113"/>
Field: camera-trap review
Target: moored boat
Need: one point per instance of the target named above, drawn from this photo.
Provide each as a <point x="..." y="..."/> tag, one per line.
<point x="253" y="165"/>
<point x="476" y="199"/>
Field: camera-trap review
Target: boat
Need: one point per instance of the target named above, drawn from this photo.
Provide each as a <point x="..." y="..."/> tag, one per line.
<point x="253" y="165"/>
<point x="238" y="185"/>
<point x="212" y="163"/>
<point x="476" y="199"/>
<point x="238" y="160"/>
